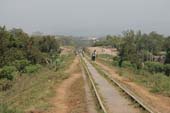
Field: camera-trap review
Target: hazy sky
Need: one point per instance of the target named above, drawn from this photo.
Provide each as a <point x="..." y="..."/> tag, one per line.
<point x="86" y="17"/>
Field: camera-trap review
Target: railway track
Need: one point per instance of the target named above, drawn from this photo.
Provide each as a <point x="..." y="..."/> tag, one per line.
<point x="137" y="99"/>
<point x="101" y="104"/>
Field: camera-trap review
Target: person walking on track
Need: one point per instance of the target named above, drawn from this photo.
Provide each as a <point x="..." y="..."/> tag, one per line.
<point x="93" y="57"/>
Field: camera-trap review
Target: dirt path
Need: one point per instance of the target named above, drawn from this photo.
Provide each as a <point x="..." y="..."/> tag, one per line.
<point x="62" y="99"/>
<point x="76" y="97"/>
<point x="160" y="103"/>
<point x="113" y="100"/>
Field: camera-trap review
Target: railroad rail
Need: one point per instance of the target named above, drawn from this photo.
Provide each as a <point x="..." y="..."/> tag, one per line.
<point x="136" y="98"/>
<point x="94" y="87"/>
<point x="130" y="93"/>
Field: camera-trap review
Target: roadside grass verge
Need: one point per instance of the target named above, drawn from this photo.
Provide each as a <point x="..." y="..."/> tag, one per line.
<point x="157" y="83"/>
<point x="33" y="91"/>
<point x="105" y="56"/>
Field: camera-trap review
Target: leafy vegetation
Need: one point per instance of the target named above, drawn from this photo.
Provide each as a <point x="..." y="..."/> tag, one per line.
<point x="143" y="58"/>
<point x="32" y="68"/>
<point x="7" y="72"/>
<point x="167" y="60"/>
<point x="151" y="51"/>
<point x="154" y="67"/>
<point x="22" y="51"/>
<point x="29" y="68"/>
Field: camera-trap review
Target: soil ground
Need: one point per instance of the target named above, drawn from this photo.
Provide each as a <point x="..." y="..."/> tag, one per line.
<point x="102" y="50"/>
<point x="71" y="93"/>
<point x="66" y="50"/>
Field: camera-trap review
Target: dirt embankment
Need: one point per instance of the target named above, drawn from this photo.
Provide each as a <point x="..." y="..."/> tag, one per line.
<point x="66" y="50"/>
<point x="104" y="50"/>
<point x="70" y="94"/>
<point x="159" y="102"/>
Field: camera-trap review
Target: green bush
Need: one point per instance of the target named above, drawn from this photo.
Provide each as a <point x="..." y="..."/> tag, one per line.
<point x="32" y="68"/>
<point x="58" y="63"/>
<point x="7" y="72"/>
<point x="159" y="83"/>
<point x="167" y="69"/>
<point x="116" y="58"/>
<point x="126" y="64"/>
<point x="21" y="65"/>
<point x="106" y="56"/>
<point x="154" y="67"/>
<point x="115" y="61"/>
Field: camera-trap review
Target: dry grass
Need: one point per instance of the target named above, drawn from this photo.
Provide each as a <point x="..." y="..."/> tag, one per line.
<point x="32" y="92"/>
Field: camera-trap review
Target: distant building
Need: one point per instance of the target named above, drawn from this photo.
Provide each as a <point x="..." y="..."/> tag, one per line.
<point x="37" y="33"/>
<point x="94" y="39"/>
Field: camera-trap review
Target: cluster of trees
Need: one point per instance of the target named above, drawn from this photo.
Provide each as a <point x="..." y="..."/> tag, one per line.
<point x="21" y="52"/>
<point x="109" y="40"/>
<point x="138" y="48"/>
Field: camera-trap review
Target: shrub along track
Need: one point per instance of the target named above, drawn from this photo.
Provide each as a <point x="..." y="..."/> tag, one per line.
<point x="158" y="103"/>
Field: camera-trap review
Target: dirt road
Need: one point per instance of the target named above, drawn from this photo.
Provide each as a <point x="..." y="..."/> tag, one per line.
<point x="113" y="100"/>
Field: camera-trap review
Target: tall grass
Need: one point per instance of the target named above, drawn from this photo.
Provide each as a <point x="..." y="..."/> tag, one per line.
<point x="157" y="82"/>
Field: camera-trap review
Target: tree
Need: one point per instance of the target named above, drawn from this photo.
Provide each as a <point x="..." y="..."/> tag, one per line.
<point x="48" y="44"/>
<point x="166" y="43"/>
<point x="167" y="59"/>
<point x="154" y="42"/>
<point x="131" y="49"/>
<point x="4" y="35"/>
<point x="122" y="55"/>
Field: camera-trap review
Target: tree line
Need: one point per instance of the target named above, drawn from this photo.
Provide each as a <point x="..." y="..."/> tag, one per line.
<point x="141" y="49"/>
<point x="21" y="52"/>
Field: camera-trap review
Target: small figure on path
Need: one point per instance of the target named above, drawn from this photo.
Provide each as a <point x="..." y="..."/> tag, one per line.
<point x="93" y="57"/>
